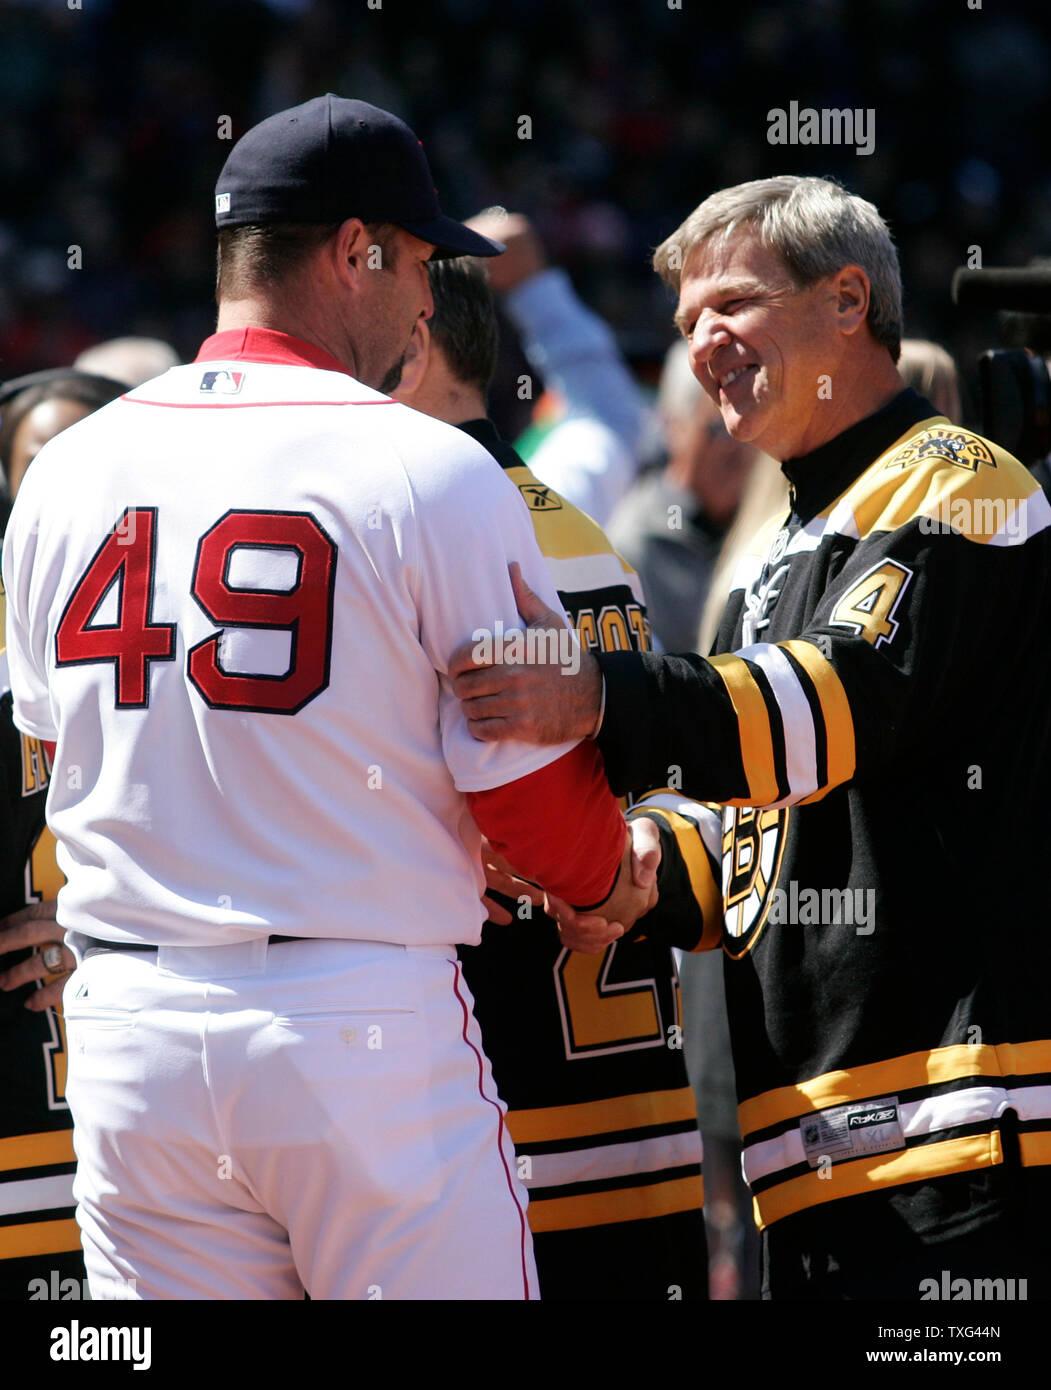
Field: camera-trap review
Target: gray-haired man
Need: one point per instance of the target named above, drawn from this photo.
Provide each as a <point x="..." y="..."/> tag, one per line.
<point x="877" y="734"/>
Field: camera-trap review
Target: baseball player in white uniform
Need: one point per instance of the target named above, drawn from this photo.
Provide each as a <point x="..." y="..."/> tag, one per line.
<point x="231" y="597"/>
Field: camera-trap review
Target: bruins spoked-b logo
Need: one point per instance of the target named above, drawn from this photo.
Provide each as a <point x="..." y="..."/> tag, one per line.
<point x="753" y="847"/>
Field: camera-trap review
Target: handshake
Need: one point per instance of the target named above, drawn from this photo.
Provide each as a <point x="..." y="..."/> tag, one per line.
<point x="633" y="895"/>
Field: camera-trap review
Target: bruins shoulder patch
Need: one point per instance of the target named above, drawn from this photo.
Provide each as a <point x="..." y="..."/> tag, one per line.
<point x="945" y="443"/>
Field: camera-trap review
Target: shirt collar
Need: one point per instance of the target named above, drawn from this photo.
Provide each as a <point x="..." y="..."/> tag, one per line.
<point x="490" y="438"/>
<point x="821" y="476"/>
<point x="267" y="345"/>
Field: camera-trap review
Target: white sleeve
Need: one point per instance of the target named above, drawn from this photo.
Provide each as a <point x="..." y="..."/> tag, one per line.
<point x="464" y="594"/>
<point x="26" y="648"/>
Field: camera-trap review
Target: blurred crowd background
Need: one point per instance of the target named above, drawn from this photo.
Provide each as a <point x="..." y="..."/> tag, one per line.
<point x="109" y="138"/>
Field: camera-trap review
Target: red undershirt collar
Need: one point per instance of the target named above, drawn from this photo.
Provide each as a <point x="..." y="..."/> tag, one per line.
<point x="266" y="345"/>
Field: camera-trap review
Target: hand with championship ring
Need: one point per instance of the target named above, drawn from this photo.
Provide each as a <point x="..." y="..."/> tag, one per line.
<point x="35" y="926"/>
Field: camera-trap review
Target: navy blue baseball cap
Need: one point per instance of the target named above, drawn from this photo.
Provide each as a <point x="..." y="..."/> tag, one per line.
<point x="331" y="159"/>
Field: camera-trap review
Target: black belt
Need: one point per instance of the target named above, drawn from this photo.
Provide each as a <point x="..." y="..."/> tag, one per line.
<point x="93" y="944"/>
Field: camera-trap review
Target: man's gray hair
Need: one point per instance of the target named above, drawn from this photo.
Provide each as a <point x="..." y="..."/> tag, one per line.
<point x="815" y="226"/>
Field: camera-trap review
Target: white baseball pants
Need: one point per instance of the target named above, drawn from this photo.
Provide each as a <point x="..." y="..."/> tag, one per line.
<point x="253" y="1120"/>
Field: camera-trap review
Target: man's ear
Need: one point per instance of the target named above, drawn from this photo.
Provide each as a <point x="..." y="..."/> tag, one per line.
<point x="853" y="292"/>
<point x="415" y="362"/>
<point x="354" y="252"/>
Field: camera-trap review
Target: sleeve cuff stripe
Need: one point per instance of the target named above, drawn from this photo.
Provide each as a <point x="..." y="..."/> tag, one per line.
<point x="707" y="820"/>
<point x="706" y="887"/>
<point x="796" y="716"/>
<point x="835" y="707"/>
<point x="753" y="723"/>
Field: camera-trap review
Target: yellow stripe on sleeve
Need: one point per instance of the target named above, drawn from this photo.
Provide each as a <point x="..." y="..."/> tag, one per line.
<point x="554" y="1122"/>
<point x="1035" y="1148"/>
<point x="753" y="722"/>
<point x="1023" y="1059"/>
<point x="37" y="1150"/>
<point x="706" y="889"/>
<point x="39" y="1238"/>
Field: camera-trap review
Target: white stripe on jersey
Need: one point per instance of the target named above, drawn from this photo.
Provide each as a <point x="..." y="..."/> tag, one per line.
<point x="36" y="1194"/>
<point x="1031" y="1102"/>
<point x="582" y="573"/>
<point x="709" y="821"/>
<point x="808" y="537"/>
<point x="614" y="1160"/>
<point x="746" y="571"/>
<point x="796" y="715"/>
<point x="1035" y="516"/>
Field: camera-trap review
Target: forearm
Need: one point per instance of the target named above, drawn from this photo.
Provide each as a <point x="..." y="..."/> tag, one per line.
<point x="656" y="727"/>
<point x="560" y="826"/>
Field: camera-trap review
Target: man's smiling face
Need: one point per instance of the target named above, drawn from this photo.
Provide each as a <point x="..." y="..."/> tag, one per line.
<point x="758" y="343"/>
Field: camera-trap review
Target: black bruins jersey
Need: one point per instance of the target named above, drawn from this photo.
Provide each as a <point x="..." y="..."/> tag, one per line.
<point x="878" y="734"/>
<point x="587" y="1049"/>
<point x="39" y="1239"/>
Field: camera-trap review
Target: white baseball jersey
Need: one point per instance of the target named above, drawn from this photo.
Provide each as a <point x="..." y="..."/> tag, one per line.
<point x="232" y="595"/>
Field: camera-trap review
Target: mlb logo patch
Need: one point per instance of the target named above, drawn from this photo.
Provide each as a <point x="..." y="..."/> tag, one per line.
<point x="224" y="382"/>
<point x="222" y="202"/>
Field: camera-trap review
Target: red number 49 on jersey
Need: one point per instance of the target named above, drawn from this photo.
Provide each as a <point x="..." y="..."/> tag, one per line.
<point x="126" y="559"/>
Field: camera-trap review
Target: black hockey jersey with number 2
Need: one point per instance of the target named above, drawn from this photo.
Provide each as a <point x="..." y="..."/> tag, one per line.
<point x="38" y="1233"/>
<point x="587" y="1049"/>
<point x="877" y="733"/>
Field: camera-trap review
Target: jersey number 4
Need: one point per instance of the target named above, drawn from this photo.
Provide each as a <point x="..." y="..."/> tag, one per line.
<point x="126" y="561"/>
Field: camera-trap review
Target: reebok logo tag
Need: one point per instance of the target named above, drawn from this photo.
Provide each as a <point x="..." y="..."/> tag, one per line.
<point x="843" y="1132"/>
<point x="539" y="499"/>
<point x="872" y="1117"/>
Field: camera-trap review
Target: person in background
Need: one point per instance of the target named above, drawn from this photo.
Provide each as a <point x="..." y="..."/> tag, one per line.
<point x="40" y="1252"/>
<point x="765" y="496"/>
<point x="133" y="360"/>
<point x="589" y="453"/>
<point x="33" y="409"/>
<point x="931" y="372"/>
<point x="671" y="525"/>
